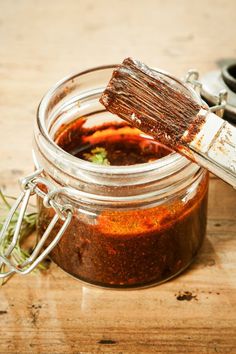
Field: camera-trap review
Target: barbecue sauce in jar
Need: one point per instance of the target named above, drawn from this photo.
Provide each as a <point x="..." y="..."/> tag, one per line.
<point x="130" y="247"/>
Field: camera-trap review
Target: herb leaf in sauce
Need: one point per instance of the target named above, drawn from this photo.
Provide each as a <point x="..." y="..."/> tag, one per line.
<point x="98" y="156"/>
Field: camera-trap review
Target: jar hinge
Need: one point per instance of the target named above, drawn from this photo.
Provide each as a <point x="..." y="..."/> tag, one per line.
<point x="192" y="78"/>
<point x="30" y="186"/>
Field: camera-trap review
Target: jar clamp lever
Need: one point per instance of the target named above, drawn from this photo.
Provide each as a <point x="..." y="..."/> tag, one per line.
<point x="30" y="187"/>
<point x="192" y="79"/>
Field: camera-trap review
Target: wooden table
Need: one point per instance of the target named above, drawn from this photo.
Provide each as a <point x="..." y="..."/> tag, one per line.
<point x="42" y="41"/>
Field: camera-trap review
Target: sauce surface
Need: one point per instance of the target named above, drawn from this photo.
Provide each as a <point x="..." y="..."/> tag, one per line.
<point x="115" y="144"/>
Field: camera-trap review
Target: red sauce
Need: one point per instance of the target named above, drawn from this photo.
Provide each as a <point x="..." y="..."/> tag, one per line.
<point x="124" y="145"/>
<point x="127" y="248"/>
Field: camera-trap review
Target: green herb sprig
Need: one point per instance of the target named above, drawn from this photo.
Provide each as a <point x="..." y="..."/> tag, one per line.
<point x="18" y="255"/>
<point x="98" y="156"/>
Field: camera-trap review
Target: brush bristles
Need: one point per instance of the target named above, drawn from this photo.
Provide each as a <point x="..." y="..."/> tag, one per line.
<point x="151" y="102"/>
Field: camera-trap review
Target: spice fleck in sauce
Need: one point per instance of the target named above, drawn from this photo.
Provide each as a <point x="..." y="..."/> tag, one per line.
<point x="129" y="247"/>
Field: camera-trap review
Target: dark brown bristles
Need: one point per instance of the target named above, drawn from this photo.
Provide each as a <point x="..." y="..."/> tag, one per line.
<point x="152" y="102"/>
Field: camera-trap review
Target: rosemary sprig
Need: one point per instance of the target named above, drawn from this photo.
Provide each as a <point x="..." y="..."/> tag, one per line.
<point x="98" y="156"/>
<point x="18" y="255"/>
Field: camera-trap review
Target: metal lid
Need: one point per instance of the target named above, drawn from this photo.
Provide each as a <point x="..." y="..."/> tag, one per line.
<point x="222" y="79"/>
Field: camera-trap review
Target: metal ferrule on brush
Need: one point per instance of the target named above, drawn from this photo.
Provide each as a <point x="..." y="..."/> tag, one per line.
<point x="214" y="146"/>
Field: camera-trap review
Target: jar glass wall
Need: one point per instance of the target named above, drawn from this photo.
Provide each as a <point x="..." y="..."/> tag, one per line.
<point x="133" y="226"/>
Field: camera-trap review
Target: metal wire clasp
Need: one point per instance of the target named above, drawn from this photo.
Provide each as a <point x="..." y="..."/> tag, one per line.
<point x="30" y="186"/>
<point x="192" y="78"/>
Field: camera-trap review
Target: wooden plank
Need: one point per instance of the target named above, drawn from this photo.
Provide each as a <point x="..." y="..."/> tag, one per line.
<point x="51" y="312"/>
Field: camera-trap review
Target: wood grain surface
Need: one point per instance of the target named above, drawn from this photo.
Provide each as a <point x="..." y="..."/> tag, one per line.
<point x="42" y="41"/>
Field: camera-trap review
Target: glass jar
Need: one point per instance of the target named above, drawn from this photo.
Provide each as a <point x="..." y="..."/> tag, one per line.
<point x="132" y="226"/>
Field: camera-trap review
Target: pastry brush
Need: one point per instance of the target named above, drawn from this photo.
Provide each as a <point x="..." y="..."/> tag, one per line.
<point x="167" y="110"/>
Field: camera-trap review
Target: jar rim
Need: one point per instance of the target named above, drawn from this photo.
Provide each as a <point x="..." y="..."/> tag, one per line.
<point x="174" y="160"/>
